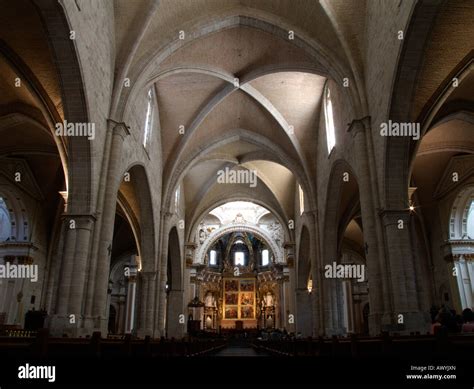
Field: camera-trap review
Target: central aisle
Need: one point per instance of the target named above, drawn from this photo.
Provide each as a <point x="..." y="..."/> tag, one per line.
<point x="238" y="348"/>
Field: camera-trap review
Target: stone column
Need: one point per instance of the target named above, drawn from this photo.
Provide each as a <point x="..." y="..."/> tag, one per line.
<point x="279" y="312"/>
<point x="379" y="296"/>
<point x="147" y="302"/>
<point x="121" y="312"/>
<point x="176" y="319"/>
<point x="84" y="225"/>
<point x="109" y="301"/>
<point x="66" y="268"/>
<point x="315" y="309"/>
<point x="357" y="310"/>
<point x="51" y="287"/>
<point x="304" y="314"/>
<point x="406" y="315"/>
<point x="163" y="275"/>
<point x="318" y="298"/>
<point x="69" y="308"/>
<point x="332" y="307"/>
<point x="316" y="295"/>
<point x="347" y="287"/>
<point x="100" y="275"/>
<point x="131" y="295"/>
<point x="290" y="297"/>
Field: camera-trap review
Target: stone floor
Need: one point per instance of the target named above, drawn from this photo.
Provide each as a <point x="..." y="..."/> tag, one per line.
<point x="239" y="351"/>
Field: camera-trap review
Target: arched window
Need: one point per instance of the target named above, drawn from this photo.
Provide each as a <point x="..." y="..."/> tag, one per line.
<point x="462" y="215"/>
<point x="328" y="113"/>
<point x="265" y="257"/>
<point x="239" y="258"/>
<point x="470" y="221"/>
<point x="461" y="240"/>
<point x="213" y="258"/>
<point x="301" y="195"/>
<point x="148" y="118"/>
<point x="176" y="198"/>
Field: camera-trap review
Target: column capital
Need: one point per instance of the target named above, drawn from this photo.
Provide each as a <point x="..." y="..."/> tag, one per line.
<point x="133" y="272"/>
<point x="85" y="221"/>
<point x="311" y="213"/>
<point x="456" y="257"/>
<point x="392" y="216"/>
<point x="168" y="216"/>
<point x="118" y="128"/>
<point x="189" y="251"/>
<point x="359" y="125"/>
<point x="147" y="274"/>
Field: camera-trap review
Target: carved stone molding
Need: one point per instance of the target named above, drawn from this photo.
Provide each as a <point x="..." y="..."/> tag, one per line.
<point x="463" y="165"/>
<point x="455" y="249"/>
<point x="19" y="174"/>
<point x="14" y="250"/>
<point x="216" y="234"/>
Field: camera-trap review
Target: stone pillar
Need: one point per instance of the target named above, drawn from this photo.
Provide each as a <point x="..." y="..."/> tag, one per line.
<point x="290" y="297"/>
<point x="70" y="309"/>
<point x="406" y="315"/>
<point x="357" y="310"/>
<point x="333" y="308"/>
<point x="163" y="275"/>
<point x="109" y="301"/>
<point x="121" y="313"/>
<point x="101" y="272"/>
<point x="51" y="287"/>
<point x="349" y="313"/>
<point x="304" y="314"/>
<point x="279" y="322"/>
<point x="176" y="319"/>
<point x="188" y="287"/>
<point x="315" y="298"/>
<point x="66" y="268"/>
<point x="84" y="225"/>
<point x="379" y="297"/>
<point x="147" y="303"/>
<point x="131" y="297"/>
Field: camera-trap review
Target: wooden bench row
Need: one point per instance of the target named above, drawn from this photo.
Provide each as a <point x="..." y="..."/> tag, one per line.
<point x="44" y="346"/>
<point x="415" y="346"/>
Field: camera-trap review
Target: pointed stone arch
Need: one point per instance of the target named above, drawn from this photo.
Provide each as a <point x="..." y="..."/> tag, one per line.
<point x="74" y="103"/>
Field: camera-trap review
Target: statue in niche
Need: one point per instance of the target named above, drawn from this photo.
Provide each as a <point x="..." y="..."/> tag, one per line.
<point x="275" y="232"/>
<point x="269" y="299"/>
<point x="202" y="236"/>
<point x="209" y="300"/>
